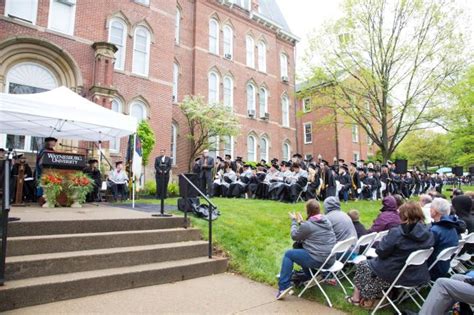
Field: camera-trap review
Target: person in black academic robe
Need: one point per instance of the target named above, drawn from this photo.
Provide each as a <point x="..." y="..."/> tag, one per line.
<point x="162" y="174"/>
<point x="314" y="181"/>
<point x="49" y="144"/>
<point x="370" y="186"/>
<point x="93" y="171"/>
<point x="330" y="182"/>
<point x="345" y="181"/>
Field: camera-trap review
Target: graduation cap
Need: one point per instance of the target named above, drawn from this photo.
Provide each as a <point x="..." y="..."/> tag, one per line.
<point x="197" y="159"/>
<point x="219" y="158"/>
<point x="247" y="165"/>
<point x="262" y="161"/>
<point x="91" y="161"/>
<point x="47" y="139"/>
<point x="18" y="156"/>
<point x="309" y="160"/>
<point x="362" y="161"/>
<point x="370" y="170"/>
<point x="228" y="156"/>
<point x="239" y="158"/>
<point x="275" y="165"/>
<point x="344" y="166"/>
<point x="341" y="160"/>
<point x="385" y="165"/>
<point x="389" y="162"/>
<point x="297" y="155"/>
<point x="354" y="164"/>
<point x="118" y="163"/>
<point x="325" y="162"/>
<point x="361" y="169"/>
<point x="274" y="160"/>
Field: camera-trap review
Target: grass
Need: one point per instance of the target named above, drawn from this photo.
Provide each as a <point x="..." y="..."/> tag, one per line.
<point x="255" y="233"/>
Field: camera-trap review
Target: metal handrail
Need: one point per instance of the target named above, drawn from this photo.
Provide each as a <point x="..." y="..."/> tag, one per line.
<point x="4" y="217"/>
<point x="212" y="206"/>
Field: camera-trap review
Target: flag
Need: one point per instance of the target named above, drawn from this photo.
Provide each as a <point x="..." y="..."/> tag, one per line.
<point x="137" y="158"/>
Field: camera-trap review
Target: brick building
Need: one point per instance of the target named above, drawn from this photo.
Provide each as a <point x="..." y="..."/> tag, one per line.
<point x="141" y="57"/>
<point x="328" y="133"/>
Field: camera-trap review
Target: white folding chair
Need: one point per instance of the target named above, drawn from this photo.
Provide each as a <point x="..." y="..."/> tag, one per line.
<point x="371" y="251"/>
<point x="365" y="240"/>
<point x="416" y="258"/>
<point x="455" y="263"/>
<point x="340" y="248"/>
<point x="300" y="195"/>
<point x="466" y="257"/>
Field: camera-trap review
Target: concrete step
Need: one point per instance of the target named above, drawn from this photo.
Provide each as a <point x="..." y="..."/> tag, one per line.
<point x="29" y="266"/>
<point x="31" y="245"/>
<point x="30" y="228"/>
<point x="33" y="291"/>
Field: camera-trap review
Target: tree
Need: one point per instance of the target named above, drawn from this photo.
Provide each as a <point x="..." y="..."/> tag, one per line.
<point x="206" y="122"/>
<point x="386" y="62"/>
<point x="147" y="138"/>
<point x="426" y="148"/>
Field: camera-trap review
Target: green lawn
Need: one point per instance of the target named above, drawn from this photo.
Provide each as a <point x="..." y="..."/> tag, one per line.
<point x="254" y="234"/>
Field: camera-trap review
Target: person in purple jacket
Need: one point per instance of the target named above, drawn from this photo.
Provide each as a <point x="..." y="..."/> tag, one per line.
<point x="388" y="218"/>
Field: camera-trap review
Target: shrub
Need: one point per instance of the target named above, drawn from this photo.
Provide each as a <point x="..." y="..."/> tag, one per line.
<point x="173" y="190"/>
<point x="150" y="189"/>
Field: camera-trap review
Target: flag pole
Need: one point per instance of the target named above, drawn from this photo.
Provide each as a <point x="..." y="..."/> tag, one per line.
<point x="133" y="174"/>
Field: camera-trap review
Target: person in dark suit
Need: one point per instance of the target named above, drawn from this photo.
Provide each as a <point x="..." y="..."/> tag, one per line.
<point x="94" y="172"/>
<point x="205" y="175"/>
<point x="162" y="174"/>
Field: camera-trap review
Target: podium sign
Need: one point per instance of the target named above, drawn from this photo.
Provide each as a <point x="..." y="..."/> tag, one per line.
<point x="60" y="160"/>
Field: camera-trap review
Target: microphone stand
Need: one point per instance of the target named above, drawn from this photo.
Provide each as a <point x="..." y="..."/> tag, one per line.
<point x="162" y="198"/>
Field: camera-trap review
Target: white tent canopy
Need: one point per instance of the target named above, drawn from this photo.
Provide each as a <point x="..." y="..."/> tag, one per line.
<point x="63" y="114"/>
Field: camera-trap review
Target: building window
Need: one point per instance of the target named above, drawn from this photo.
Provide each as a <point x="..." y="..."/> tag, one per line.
<point x="251" y="149"/>
<point x="144" y="2"/>
<point x="213" y="146"/>
<point x="308" y="157"/>
<point x="138" y="110"/>
<point x="213" y="96"/>
<point x="118" y="37"/>
<point x="245" y="4"/>
<point x="62" y="15"/>
<point x="284" y="67"/>
<point x="213" y="36"/>
<point x="263" y="102"/>
<point x="228" y="145"/>
<point x="114" y="145"/>
<point x="175" y="82"/>
<point x="286" y="151"/>
<point x="369" y="139"/>
<point x="308" y="132"/>
<point x="250" y="49"/>
<point x="285" y="111"/>
<point x="356" y="156"/>
<point x="228" y="92"/>
<point x="262" y="57"/>
<point x="177" y="25"/>
<point x="141" y="51"/>
<point x="24" y="10"/>
<point x="174" y="138"/>
<point x="264" y="149"/>
<point x="251" y="97"/>
<point x="355" y="133"/>
<point x="27" y="78"/>
<point x="307" y="105"/>
<point x="228" y="42"/>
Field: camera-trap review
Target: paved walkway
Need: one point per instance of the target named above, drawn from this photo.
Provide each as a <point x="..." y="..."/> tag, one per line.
<point x="218" y="294"/>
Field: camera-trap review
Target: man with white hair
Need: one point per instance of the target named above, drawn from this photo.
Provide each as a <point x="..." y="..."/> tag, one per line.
<point x="444" y="229"/>
<point x="425" y="203"/>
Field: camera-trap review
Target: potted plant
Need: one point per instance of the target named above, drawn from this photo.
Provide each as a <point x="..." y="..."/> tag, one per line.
<point x="79" y="185"/>
<point x="52" y="184"/>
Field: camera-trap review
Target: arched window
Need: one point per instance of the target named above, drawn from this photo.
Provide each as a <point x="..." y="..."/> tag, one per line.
<point x="251" y="97"/>
<point x="264" y="148"/>
<point x="213" y="96"/>
<point x="138" y="110"/>
<point x="263" y="101"/>
<point x="286" y="151"/>
<point x="177" y="25"/>
<point x="228" y="92"/>
<point x="118" y="37"/>
<point x="213" y="36"/>
<point x="175" y="82"/>
<point x="228" y="145"/>
<point x="250" y="48"/>
<point x="27" y="78"/>
<point x="114" y="145"/>
<point x="262" y="56"/>
<point x="285" y="111"/>
<point x="174" y="139"/>
<point x="284" y="66"/>
<point x="141" y="51"/>
<point x="228" y="42"/>
<point x="251" y="149"/>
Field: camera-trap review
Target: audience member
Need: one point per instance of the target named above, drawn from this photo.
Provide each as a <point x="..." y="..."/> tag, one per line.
<point x="462" y="206"/>
<point x="341" y="222"/>
<point x="360" y="228"/>
<point x="388" y="218"/>
<point x="317" y="239"/>
<point x="425" y="203"/>
<point x="444" y="229"/>
<point x="375" y="275"/>
<point x="118" y="180"/>
<point x="399" y="199"/>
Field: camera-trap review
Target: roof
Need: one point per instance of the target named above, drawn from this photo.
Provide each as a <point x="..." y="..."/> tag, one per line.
<point x="271" y="10"/>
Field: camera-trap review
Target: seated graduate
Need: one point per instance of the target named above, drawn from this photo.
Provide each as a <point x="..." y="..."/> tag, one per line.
<point x="258" y="177"/>
<point x="270" y="177"/>
<point x="314" y="181"/>
<point x="278" y="181"/>
<point x="315" y="238"/>
<point x="370" y="186"/>
<point x="345" y="182"/>
<point x="224" y="178"/>
<point x="297" y="182"/>
<point x="28" y="180"/>
<point x="93" y="171"/>
<point x="239" y="187"/>
<point x="118" y="180"/>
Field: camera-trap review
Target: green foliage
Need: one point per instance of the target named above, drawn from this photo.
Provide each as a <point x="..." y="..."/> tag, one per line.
<point x="150" y="189"/>
<point x="147" y="138"/>
<point x="206" y="122"/>
<point x="173" y="190"/>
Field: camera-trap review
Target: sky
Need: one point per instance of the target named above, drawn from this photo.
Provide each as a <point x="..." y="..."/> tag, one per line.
<point x="304" y="16"/>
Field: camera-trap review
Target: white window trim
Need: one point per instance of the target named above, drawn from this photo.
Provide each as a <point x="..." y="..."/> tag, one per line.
<point x="231" y="43"/>
<point x="265" y="101"/>
<point x="145" y="111"/>
<point x="174" y="134"/>
<point x="231" y="91"/>
<point x="254" y="148"/>
<point x="286" y="144"/>
<point x="231" y="146"/>
<point x="283" y="65"/>
<point x="35" y="17"/>
<point x="147" y="60"/>
<point x="124" y="41"/>
<point x="355" y="135"/>
<point x="267" y="149"/>
<point x="175" y="82"/>
<point x="120" y="110"/>
<point x="177" y="26"/>
<point x="250" y="55"/>
<point x="254" y="97"/>
<point x="304" y="132"/>
<point x="262" y="56"/>
<point x="285" y="103"/>
<point x="356" y="153"/>
<point x="209" y="87"/>
<point x="216" y="52"/>
<point x="73" y="22"/>
<point x="304" y="104"/>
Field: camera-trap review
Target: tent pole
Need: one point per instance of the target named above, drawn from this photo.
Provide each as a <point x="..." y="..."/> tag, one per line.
<point x="133" y="174"/>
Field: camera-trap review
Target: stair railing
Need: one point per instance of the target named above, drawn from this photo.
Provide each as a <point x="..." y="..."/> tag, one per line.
<point x="4" y="214"/>
<point x="212" y="207"/>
